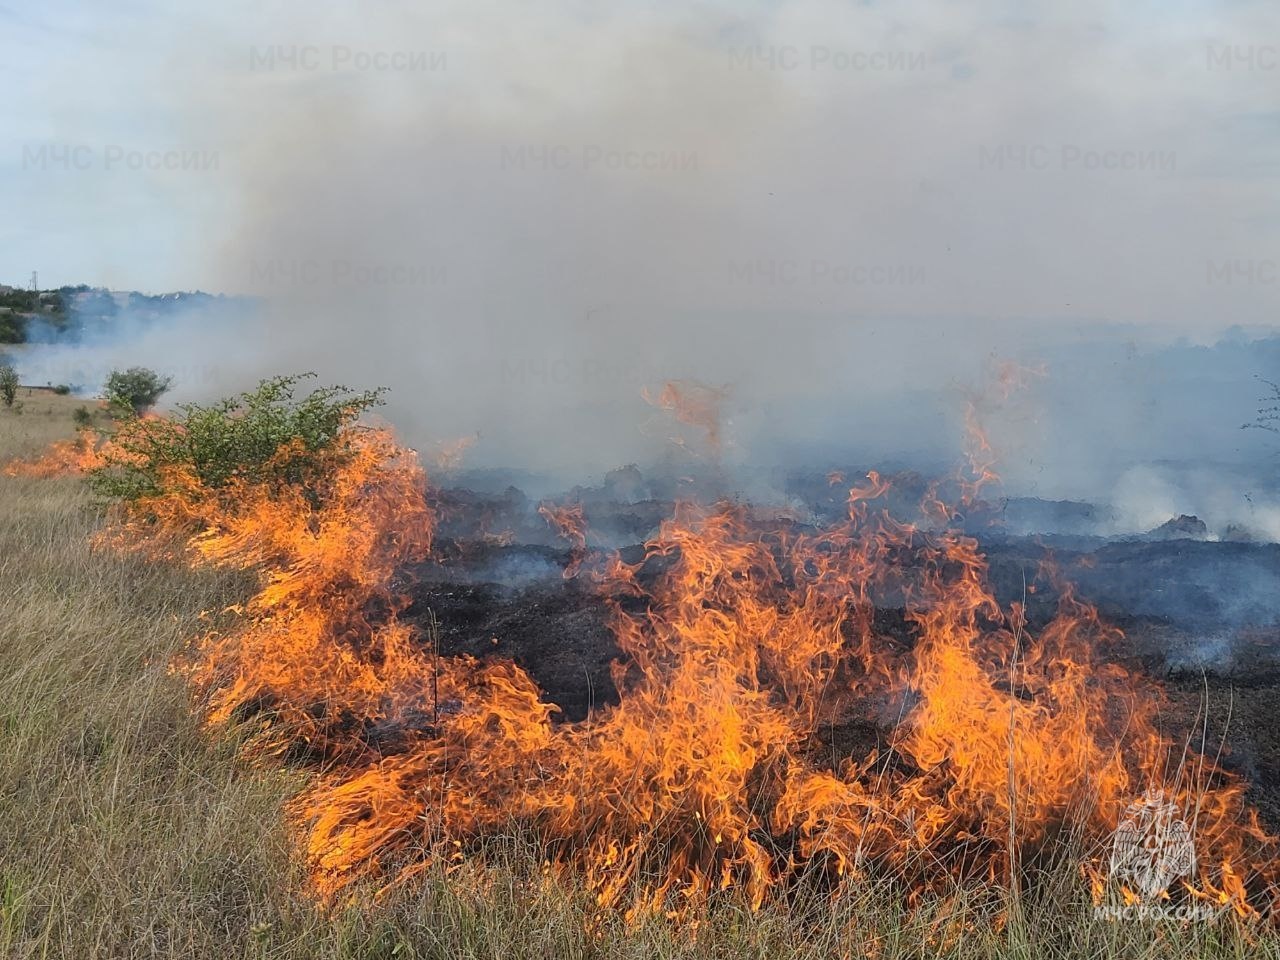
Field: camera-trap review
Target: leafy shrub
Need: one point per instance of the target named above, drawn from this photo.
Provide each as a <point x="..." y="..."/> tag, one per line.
<point x="137" y="389"/>
<point x="62" y="389"/>
<point x="82" y="417"/>
<point x="13" y="328"/>
<point x="8" y="384"/>
<point x="263" y="436"/>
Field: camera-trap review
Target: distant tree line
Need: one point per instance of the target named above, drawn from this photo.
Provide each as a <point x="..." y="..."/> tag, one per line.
<point x="18" y="307"/>
<point x="69" y="309"/>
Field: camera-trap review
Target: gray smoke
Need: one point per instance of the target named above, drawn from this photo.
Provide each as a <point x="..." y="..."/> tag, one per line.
<point x="518" y="219"/>
<point x="187" y="341"/>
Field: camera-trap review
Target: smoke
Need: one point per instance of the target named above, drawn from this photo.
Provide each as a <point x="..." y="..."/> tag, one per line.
<point x="1144" y="499"/>
<point x="564" y="211"/>
<point x="519" y="220"/>
<point x="187" y="338"/>
<point x="1234" y="506"/>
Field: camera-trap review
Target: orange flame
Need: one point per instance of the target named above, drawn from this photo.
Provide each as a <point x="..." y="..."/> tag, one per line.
<point x="64" y="458"/>
<point x="571" y="524"/>
<point x="694" y="404"/>
<point x="449" y="454"/>
<point x="753" y="640"/>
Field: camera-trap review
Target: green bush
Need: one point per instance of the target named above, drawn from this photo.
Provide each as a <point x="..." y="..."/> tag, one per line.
<point x="137" y="389"/>
<point x="82" y="417"/>
<point x="263" y="436"/>
<point x="13" y="328"/>
<point x="62" y="390"/>
<point x="8" y="384"/>
<point x="26" y="301"/>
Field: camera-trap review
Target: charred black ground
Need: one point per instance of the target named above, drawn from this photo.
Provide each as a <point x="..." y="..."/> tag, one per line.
<point x="1201" y="618"/>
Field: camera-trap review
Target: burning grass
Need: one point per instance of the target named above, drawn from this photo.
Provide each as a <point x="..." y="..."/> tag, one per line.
<point x="510" y="830"/>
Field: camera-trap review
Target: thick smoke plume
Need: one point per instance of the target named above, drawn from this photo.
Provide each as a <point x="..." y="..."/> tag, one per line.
<point x="521" y="221"/>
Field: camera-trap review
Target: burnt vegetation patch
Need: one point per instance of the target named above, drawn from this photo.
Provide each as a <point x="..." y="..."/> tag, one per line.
<point x="1198" y="619"/>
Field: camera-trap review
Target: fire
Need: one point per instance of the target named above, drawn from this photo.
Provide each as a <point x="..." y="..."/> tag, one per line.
<point x="1004" y="378"/>
<point x="693" y="404"/>
<point x="87" y="451"/>
<point x="323" y="662"/>
<point x="449" y="454"/>
<point x="745" y="640"/>
<point x="570" y="523"/>
<point x="64" y="458"/>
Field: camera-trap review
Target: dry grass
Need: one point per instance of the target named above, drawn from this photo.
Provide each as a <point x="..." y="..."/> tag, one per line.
<point x="45" y="417"/>
<point x="127" y="831"/>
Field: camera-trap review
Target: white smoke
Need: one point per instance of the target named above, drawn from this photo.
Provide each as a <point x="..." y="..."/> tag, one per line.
<point x="518" y="218"/>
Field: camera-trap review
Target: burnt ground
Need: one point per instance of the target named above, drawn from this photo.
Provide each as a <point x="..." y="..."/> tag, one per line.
<point x="1202" y="619"/>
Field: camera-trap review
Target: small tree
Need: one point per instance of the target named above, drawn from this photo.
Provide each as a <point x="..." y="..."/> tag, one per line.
<point x="8" y="384"/>
<point x="136" y="389"/>
<point x="267" y="435"/>
<point x="1268" y="417"/>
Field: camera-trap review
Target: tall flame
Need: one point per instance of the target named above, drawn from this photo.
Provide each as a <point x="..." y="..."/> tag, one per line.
<point x="743" y="638"/>
<point x="569" y="522"/>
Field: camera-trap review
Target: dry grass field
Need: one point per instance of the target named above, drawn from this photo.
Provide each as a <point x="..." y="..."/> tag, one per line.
<point x="128" y="831"/>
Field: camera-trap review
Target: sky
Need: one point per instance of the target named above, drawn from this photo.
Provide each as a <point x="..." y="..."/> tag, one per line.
<point x="1018" y="159"/>
<point x="547" y="206"/>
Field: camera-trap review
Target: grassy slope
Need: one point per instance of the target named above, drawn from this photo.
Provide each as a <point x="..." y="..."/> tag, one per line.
<point x="126" y="830"/>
